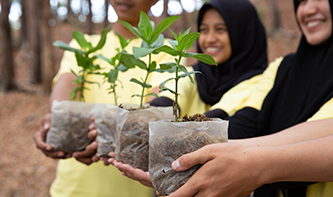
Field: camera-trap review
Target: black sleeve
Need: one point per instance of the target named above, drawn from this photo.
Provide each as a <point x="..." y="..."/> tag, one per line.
<point x="217" y="113"/>
<point x="161" y="102"/>
<point x="243" y="124"/>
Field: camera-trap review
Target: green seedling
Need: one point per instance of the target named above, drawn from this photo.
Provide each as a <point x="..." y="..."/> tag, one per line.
<point x="178" y="49"/>
<point x="84" y="60"/>
<point x="117" y="64"/>
<point x="152" y="40"/>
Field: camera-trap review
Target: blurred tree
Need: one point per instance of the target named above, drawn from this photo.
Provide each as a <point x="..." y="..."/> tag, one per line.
<point x="7" y="74"/>
<point x="33" y="49"/>
<point x="89" y="19"/>
<point x="106" y="4"/>
<point x="47" y="68"/>
<point x="23" y="31"/>
<point x="276" y="24"/>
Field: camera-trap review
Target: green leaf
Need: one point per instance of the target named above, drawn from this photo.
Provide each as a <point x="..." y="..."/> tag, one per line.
<point x="168" y="50"/>
<point x="167" y="65"/>
<point x="166" y="88"/>
<point x="174" y="35"/>
<point x="187" y="31"/>
<point x="93" y="82"/>
<point x="152" y="66"/>
<point x="158" y="42"/>
<point x="141" y="64"/>
<point x="127" y="60"/>
<point x="188" y="74"/>
<point x="145" y="26"/>
<point x="73" y="94"/>
<point x="112" y="76"/>
<point x="187" y="41"/>
<point x="202" y="57"/>
<point x="134" y="30"/>
<point x="101" y="42"/>
<point x="73" y="72"/>
<point x="136" y="95"/>
<point x="141" y="83"/>
<point x="162" y="26"/>
<point x="64" y="46"/>
<point x="174" y="44"/>
<point x="122" y="68"/>
<point x="81" y="40"/>
<point x="141" y="52"/>
<point x="162" y="85"/>
<point x="81" y="61"/>
<point x="122" y="40"/>
<point x="151" y="94"/>
<point x="104" y="58"/>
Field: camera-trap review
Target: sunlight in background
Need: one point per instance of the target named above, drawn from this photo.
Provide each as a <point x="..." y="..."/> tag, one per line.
<point x="175" y="7"/>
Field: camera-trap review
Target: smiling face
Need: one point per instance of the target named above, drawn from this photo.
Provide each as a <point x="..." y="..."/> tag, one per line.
<point x="214" y="37"/>
<point x="315" y="20"/>
<point x="129" y="10"/>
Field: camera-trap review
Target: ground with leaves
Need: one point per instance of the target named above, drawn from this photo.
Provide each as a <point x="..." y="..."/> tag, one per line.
<point x="24" y="170"/>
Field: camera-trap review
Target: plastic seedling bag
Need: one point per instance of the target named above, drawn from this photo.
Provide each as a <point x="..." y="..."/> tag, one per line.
<point x="169" y="140"/>
<point x="69" y="125"/>
<point x="132" y="145"/>
<point x="105" y="124"/>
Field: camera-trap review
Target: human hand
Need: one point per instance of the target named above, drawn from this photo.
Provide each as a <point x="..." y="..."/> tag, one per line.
<point x="89" y="155"/>
<point x="40" y="137"/>
<point x="227" y="170"/>
<point x="133" y="173"/>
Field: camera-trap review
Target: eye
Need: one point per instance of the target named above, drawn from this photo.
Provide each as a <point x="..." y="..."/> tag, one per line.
<point x="203" y="30"/>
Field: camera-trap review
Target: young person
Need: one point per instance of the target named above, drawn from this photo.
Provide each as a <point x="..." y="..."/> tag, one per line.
<point x="296" y="92"/>
<point x="74" y="178"/>
<point x="232" y="33"/>
<point x="301" y="91"/>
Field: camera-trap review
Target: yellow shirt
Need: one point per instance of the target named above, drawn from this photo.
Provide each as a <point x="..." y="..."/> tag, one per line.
<point x="191" y="103"/>
<point x="75" y="179"/>
<point x="256" y="100"/>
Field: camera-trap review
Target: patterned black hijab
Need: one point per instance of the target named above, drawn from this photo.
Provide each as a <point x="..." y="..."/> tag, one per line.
<point x="304" y="83"/>
<point x="248" y="45"/>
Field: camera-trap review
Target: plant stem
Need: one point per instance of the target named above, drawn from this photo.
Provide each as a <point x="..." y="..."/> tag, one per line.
<point x="143" y="88"/>
<point x="115" y="95"/>
<point x="176" y="90"/>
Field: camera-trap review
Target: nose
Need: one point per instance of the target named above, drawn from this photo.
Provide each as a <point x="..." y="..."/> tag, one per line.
<point x="310" y="7"/>
<point x="211" y="37"/>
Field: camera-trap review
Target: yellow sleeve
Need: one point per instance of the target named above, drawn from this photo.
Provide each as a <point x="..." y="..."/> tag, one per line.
<point x="325" y="112"/>
<point x="264" y="85"/>
<point x="234" y="99"/>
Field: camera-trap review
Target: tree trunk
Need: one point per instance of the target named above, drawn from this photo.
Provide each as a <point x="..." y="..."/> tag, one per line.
<point x="7" y="74"/>
<point x="106" y="21"/>
<point x="33" y="57"/>
<point x="276" y="24"/>
<point x="47" y="68"/>
<point x="89" y="19"/>
<point x="23" y="23"/>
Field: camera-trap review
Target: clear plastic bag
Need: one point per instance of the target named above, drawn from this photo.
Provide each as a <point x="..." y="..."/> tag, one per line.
<point x="170" y="140"/>
<point x="132" y="145"/>
<point x="69" y="125"/>
<point x="105" y="124"/>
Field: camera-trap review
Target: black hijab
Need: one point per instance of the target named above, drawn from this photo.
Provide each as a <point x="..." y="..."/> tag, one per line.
<point x="248" y="45"/>
<point x="304" y="83"/>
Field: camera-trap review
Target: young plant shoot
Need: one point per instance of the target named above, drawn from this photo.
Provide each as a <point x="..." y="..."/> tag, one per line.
<point x="83" y="60"/>
<point x="152" y="40"/>
<point x="117" y="64"/>
<point x="179" y="47"/>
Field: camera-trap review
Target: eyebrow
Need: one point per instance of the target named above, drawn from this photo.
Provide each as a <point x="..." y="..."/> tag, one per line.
<point x="215" y="24"/>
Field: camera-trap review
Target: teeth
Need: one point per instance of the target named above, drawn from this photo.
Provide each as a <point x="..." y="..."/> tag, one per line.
<point x="212" y="50"/>
<point x="314" y="23"/>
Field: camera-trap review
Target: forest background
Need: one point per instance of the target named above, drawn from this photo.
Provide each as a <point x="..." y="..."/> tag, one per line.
<point x="28" y="62"/>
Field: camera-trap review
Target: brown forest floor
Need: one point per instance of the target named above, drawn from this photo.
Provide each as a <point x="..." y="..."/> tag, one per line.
<point x="24" y="170"/>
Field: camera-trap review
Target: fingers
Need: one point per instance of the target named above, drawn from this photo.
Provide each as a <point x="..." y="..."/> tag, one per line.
<point x="134" y="173"/>
<point x="87" y="155"/>
<point x="92" y="134"/>
<point x="189" y="160"/>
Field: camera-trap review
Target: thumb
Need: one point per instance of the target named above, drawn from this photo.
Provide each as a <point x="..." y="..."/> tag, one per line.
<point x="189" y="160"/>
